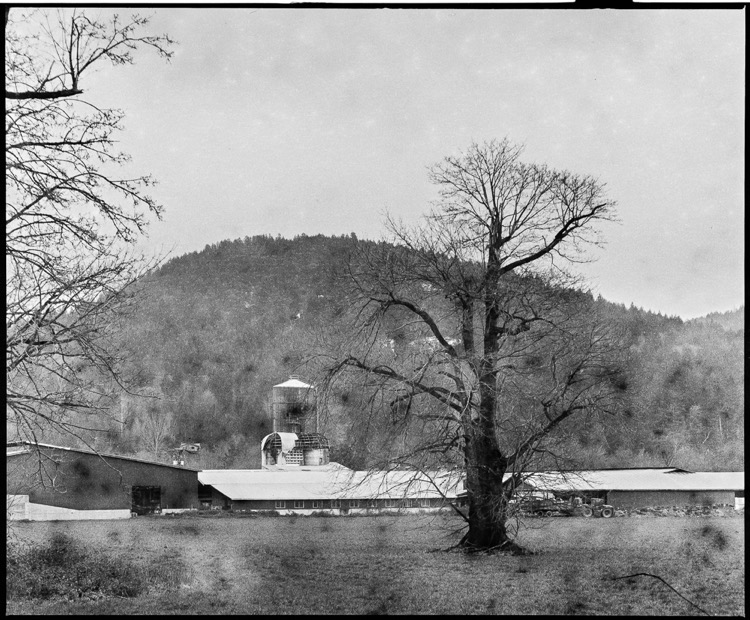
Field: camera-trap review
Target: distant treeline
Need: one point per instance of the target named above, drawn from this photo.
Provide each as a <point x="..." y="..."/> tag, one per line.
<point x="214" y="330"/>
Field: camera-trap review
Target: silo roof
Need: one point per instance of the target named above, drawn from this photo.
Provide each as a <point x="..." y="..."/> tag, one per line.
<point x="288" y="441"/>
<point x="293" y="383"/>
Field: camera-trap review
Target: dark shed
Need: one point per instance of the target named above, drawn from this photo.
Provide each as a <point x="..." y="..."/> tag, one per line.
<point x="84" y="480"/>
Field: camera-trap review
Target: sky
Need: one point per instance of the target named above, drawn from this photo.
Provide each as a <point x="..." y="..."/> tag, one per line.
<point x="286" y="121"/>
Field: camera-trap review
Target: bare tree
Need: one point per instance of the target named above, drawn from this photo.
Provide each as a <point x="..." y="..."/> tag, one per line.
<point x="467" y="332"/>
<point x="71" y="215"/>
<point x="153" y="425"/>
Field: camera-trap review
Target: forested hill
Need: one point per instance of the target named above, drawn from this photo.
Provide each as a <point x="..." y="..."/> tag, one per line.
<point x="732" y="320"/>
<point x="215" y="330"/>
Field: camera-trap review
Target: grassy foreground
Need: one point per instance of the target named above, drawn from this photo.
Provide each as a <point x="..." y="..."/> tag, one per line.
<point x="387" y="565"/>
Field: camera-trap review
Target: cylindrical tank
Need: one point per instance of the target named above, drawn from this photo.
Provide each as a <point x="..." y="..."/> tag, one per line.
<point x="293" y="404"/>
<point x="316" y="456"/>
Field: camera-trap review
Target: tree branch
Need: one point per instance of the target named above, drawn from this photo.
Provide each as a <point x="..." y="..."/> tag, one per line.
<point x="36" y="94"/>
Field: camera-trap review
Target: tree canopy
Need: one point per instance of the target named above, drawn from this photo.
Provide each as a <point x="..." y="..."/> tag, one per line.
<point x="504" y="352"/>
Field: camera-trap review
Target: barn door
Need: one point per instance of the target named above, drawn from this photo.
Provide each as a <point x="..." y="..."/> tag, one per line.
<point x="146" y="500"/>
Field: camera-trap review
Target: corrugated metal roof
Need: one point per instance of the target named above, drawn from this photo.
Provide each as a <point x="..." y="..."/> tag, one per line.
<point x="287" y="441"/>
<point x="637" y="480"/>
<point x="333" y="482"/>
<point x="25" y="445"/>
<point x="100" y="454"/>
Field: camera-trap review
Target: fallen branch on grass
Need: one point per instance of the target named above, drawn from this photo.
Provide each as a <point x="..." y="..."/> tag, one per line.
<point x="666" y="584"/>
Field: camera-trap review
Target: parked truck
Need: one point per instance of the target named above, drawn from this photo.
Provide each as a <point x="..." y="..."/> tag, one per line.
<point x="547" y="506"/>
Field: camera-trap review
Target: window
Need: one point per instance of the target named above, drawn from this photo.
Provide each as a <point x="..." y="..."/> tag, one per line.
<point x="353" y="503"/>
<point x="406" y="503"/>
<point x="298" y="503"/>
<point x="280" y="504"/>
<point x="424" y="502"/>
<point x="390" y="503"/>
<point x="335" y="503"/>
<point x="373" y="503"/>
<point x="317" y="503"/>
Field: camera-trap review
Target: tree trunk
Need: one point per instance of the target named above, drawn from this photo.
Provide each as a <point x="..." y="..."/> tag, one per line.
<point x="485" y="467"/>
<point x="486" y="516"/>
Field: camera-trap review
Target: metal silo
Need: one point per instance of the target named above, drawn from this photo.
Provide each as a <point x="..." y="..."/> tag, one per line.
<point x="295" y="439"/>
<point x="293" y="404"/>
<point x="315" y="448"/>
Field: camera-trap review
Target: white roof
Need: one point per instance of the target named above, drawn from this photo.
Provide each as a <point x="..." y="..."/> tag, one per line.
<point x="17" y="447"/>
<point x="335" y="481"/>
<point x="293" y="383"/>
<point x="287" y="441"/>
<point x="667" y="479"/>
<point x="16" y="450"/>
<point x="328" y="482"/>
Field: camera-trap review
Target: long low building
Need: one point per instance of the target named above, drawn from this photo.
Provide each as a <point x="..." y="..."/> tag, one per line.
<point x="634" y="488"/>
<point x="335" y="488"/>
<point x="331" y="487"/>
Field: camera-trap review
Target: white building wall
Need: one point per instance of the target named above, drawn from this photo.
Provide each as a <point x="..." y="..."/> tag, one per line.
<point x="20" y="508"/>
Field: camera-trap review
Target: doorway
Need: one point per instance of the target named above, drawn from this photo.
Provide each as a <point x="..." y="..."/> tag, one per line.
<point x="146" y="500"/>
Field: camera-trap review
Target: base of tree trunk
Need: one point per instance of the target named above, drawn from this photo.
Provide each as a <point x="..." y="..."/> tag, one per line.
<point x="507" y="548"/>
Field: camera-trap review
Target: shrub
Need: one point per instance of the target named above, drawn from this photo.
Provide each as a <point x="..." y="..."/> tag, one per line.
<point x="60" y="568"/>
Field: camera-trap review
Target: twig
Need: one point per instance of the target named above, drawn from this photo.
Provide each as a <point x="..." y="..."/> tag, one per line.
<point x="666" y="584"/>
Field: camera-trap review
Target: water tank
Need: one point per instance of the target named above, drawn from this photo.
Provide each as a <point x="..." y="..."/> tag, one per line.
<point x="293" y="404"/>
<point x="315" y="456"/>
<point x="315" y="448"/>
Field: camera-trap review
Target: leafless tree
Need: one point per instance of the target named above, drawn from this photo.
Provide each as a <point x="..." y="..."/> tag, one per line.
<point x="157" y="428"/>
<point x="467" y="331"/>
<point x="71" y="216"/>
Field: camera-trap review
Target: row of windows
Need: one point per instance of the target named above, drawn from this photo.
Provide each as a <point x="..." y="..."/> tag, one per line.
<point x="354" y="503"/>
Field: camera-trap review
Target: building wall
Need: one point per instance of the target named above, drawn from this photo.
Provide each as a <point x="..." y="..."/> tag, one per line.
<point x="307" y="506"/>
<point x="85" y="481"/>
<point x="639" y="499"/>
<point x="19" y="508"/>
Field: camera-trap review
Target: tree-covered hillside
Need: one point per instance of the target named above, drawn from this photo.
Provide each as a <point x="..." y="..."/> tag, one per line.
<point x="213" y="331"/>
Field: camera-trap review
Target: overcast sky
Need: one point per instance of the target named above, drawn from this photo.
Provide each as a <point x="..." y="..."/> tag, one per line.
<point x="291" y="121"/>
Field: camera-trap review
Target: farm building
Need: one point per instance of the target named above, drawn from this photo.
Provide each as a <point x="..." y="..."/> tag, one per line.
<point x="331" y="488"/>
<point x="635" y="488"/>
<point x="297" y="476"/>
<point x="47" y="482"/>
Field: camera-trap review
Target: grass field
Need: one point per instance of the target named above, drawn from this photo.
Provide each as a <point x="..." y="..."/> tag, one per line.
<point x="388" y="565"/>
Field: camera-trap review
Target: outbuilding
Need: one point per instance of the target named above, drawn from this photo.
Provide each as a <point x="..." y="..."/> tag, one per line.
<point x="46" y="482"/>
<point x="641" y="487"/>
